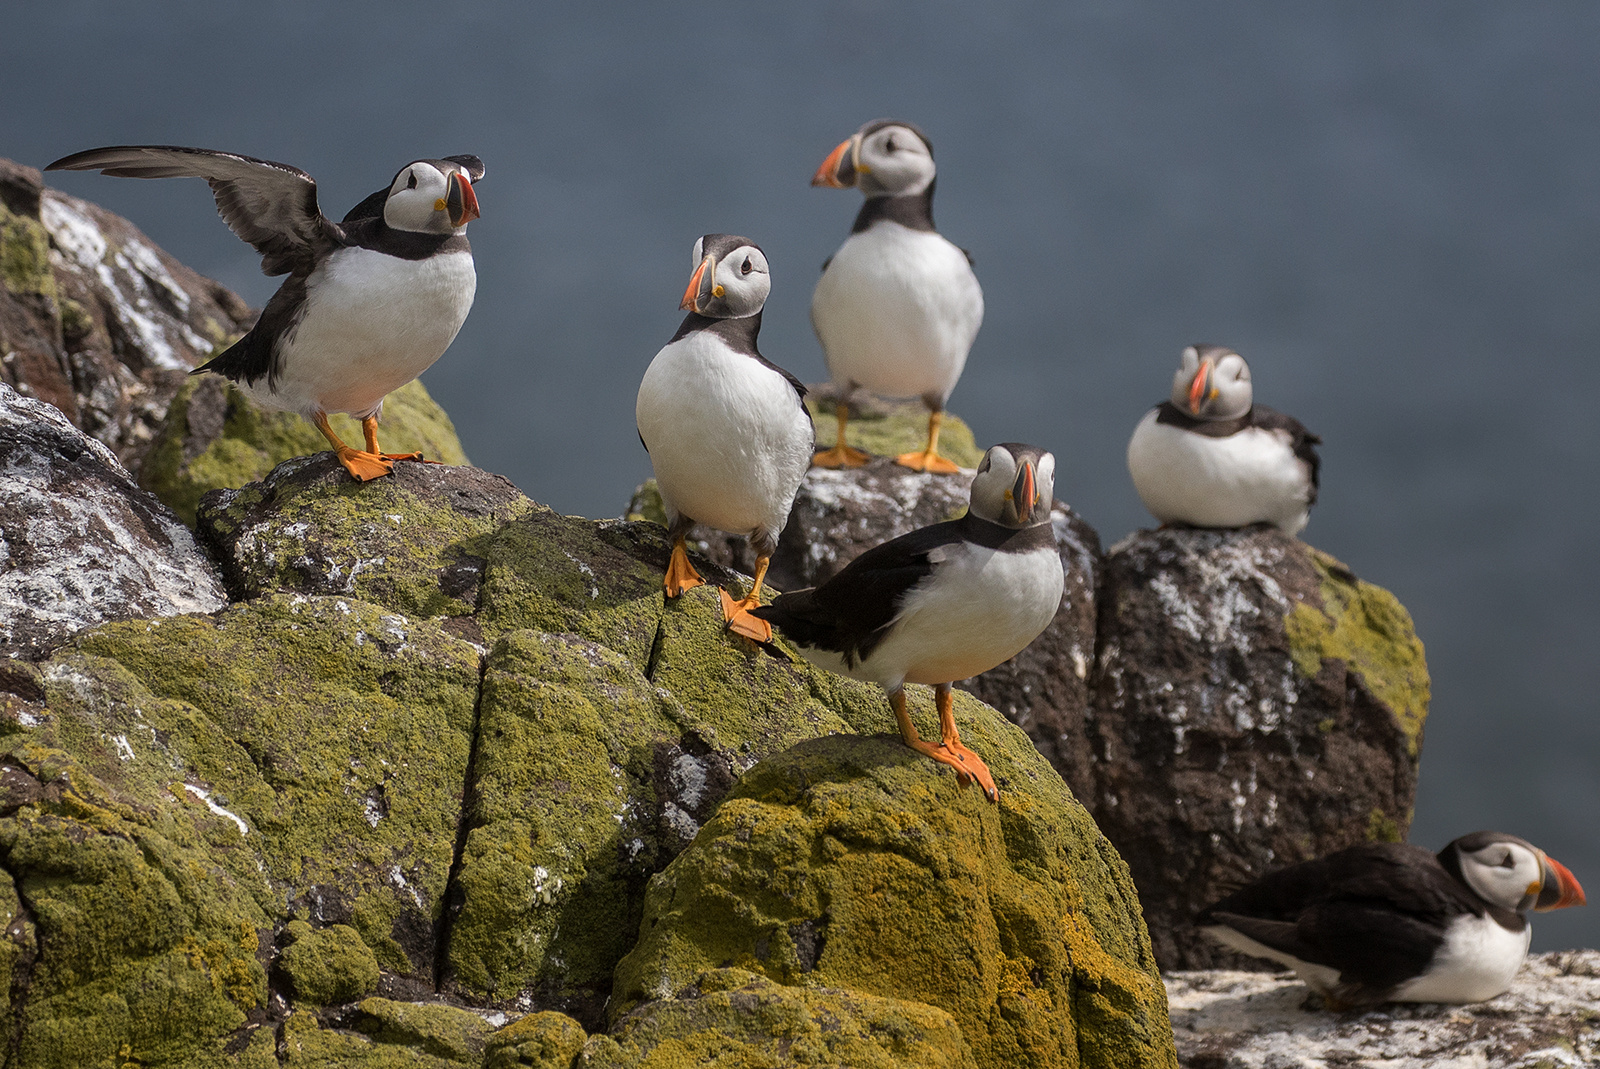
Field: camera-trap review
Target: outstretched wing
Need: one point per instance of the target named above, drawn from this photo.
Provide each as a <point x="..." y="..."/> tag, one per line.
<point x="270" y="205"/>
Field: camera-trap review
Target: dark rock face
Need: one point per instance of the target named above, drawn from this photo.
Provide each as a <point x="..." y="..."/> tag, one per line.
<point x="80" y="544"/>
<point x="1253" y="704"/>
<point x="95" y="318"/>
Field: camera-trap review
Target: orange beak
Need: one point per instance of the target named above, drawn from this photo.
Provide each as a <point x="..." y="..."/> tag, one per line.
<point x="1561" y="888"/>
<point x="1024" y="493"/>
<point x="1200" y="387"/>
<point x="700" y="285"/>
<point x="834" y="169"/>
<point x="460" y="201"/>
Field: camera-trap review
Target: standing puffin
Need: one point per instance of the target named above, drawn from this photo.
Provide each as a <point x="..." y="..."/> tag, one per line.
<point x="1210" y="457"/>
<point x="942" y="603"/>
<point x="1387" y="922"/>
<point x="897" y="307"/>
<point x="370" y="302"/>
<point x="726" y="429"/>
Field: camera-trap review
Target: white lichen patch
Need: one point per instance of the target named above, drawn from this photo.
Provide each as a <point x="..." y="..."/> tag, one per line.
<point x="211" y="804"/>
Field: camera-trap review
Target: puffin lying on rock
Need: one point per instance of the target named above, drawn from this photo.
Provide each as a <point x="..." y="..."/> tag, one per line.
<point x="897" y="307"/>
<point x="370" y="302"/>
<point x="1210" y="457"/>
<point x="1387" y="922"/>
<point x="727" y="430"/>
<point x="942" y="603"/>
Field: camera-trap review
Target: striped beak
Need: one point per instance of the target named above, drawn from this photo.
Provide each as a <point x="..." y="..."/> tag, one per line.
<point x="702" y="287"/>
<point x="1201" y="389"/>
<point x="460" y="201"/>
<point x="1559" y="889"/>
<point x="843" y="164"/>
<point x="1023" y="497"/>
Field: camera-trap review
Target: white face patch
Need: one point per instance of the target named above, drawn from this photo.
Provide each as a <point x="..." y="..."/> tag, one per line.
<point x="417" y="199"/>
<point x="895" y="160"/>
<point x="1506" y="874"/>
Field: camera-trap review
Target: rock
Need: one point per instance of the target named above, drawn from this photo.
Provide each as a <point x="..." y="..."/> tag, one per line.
<point x="95" y="318"/>
<point x="214" y="436"/>
<point x="731" y="1017"/>
<point x="1254" y="704"/>
<point x="838" y="515"/>
<point x="546" y="1040"/>
<point x="79" y="542"/>
<point x="1547" y="1020"/>
<point x="327" y="966"/>
<point x="850" y="861"/>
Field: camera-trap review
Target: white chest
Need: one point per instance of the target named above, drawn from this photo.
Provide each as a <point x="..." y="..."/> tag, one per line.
<point x="1477" y="961"/>
<point x="897" y="310"/>
<point x="728" y="437"/>
<point x="372" y="323"/>
<point x="1249" y="477"/>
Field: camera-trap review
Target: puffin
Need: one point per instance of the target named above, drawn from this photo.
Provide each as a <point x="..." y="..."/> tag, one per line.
<point x="727" y="430"/>
<point x="370" y="302"/>
<point x="942" y="603"/>
<point x="1208" y="456"/>
<point x="1391" y="922"/>
<point x="897" y="307"/>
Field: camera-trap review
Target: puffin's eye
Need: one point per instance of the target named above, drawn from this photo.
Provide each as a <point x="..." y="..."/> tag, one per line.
<point x="888" y="145"/>
<point x="1508" y="862"/>
<point x="746" y="267"/>
<point x="411" y="180"/>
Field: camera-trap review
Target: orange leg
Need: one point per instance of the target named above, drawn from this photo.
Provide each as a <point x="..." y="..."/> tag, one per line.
<point x="737" y="613"/>
<point x="929" y="459"/>
<point x="680" y="575"/>
<point x="949" y="750"/>
<point x="362" y="466"/>
<point x="841" y="455"/>
<point x="369" y="427"/>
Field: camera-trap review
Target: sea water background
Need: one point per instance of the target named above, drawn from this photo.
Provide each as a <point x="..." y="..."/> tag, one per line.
<point x="1391" y="210"/>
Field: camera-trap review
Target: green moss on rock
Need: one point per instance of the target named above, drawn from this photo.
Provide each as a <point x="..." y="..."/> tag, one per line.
<point x="853" y="862"/>
<point x="229" y="440"/>
<point x="1368" y="629"/>
<point x="545" y="1040"/>
<point x="441" y="1031"/>
<point x="889" y="428"/>
<point x="734" y="1019"/>
<point x="329" y="965"/>
<point x="25" y="256"/>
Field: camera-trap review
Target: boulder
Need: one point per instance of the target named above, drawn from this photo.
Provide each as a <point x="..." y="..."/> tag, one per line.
<point x="453" y="735"/>
<point x="1547" y="1020"/>
<point x="213" y="436"/>
<point x="853" y="862"/>
<point x="95" y="318"/>
<point x="1253" y="704"/>
<point x="79" y="542"/>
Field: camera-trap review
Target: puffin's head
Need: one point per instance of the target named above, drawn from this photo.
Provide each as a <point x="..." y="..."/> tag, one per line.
<point x="1511" y="873"/>
<point x="1015" y="485"/>
<point x="730" y="279"/>
<point x="434" y="196"/>
<point x="1213" y="382"/>
<point x="886" y="157"/>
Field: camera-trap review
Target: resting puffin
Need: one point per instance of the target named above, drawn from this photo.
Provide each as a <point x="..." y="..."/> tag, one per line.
<point x="726" y="429"/>
<point x="942" y="603"/>
<point x="897" y="307"/>
<point x="370" y="302"/>
<point x="1210" y="457"/>
<point x="1386" y="922"/>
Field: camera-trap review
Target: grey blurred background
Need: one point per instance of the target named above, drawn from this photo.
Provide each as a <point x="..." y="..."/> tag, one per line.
<point x="1389" y="209"/>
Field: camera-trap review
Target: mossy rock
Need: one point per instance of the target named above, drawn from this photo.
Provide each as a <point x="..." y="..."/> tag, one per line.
<point x="853" y="862"/>
<point x="328" y="965"/>
<point x="384" y="1034"/>
<point x="1368" y="629"/>
<point x="888" y="428"/>
<point x="322" y="741"/>
<point x="25" y="256"/>
<point x="545" y="1040"/>
<point x="215" y="437"/>
<point x="734" y="1019"/>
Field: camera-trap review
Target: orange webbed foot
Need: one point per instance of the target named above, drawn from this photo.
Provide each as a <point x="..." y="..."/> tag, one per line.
<point x="841" y="456"/>
<point x="407" y="456"/>
<point x="364" y="467"/>
<point x="680" y="575"/>
<point x="927" y="461"/>
<point x="740" y="622"/>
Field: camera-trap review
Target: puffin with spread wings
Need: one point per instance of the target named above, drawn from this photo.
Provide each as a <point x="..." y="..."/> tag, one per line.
<point x="370" y="302"/>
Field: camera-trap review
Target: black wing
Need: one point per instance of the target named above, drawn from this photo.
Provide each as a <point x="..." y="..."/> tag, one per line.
<point x="851" y="613"/>
<point x="1304" y="442"/>
<point x="270" y="205"/>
